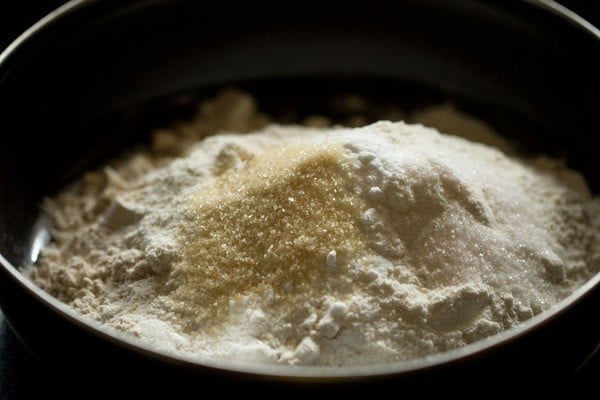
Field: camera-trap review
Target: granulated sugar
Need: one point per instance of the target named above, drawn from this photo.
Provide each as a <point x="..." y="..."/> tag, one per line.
<point x="317" y="246"/>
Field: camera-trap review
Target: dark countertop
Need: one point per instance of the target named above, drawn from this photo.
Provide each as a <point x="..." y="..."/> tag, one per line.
<point x="13" y="363"/>
<point x="21" y="377"/>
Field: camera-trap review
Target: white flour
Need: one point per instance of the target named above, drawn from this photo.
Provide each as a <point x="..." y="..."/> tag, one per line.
<point x="317" y="246"/>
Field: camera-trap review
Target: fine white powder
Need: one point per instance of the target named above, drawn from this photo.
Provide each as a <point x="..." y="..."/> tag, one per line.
<point x="317" y="246"/>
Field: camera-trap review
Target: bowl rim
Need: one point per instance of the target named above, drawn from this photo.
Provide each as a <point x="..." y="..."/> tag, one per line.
<point x="319" y="373"/>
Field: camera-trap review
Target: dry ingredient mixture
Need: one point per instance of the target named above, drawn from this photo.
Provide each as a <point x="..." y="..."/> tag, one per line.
<point x="318" y="245"/>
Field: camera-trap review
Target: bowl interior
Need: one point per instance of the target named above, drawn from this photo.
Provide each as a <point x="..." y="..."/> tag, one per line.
<point x="100" y="76"/>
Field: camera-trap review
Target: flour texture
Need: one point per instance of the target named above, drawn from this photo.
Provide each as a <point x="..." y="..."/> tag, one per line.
<point x="231" y="237"/>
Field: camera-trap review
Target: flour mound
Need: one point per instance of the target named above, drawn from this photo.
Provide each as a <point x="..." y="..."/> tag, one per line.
<point x="317" y="246"/>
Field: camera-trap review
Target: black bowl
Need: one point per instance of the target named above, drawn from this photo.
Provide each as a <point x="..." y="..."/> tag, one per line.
<point x="95" y="76"/>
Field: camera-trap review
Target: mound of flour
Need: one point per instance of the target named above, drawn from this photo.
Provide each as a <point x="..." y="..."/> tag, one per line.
<point x="317" y="246"/>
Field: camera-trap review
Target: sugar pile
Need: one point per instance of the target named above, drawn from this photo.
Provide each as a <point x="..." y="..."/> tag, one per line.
<point x="317" y="246"/>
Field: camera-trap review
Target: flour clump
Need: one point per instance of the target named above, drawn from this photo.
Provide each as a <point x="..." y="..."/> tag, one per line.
<point x="231" y="237"/>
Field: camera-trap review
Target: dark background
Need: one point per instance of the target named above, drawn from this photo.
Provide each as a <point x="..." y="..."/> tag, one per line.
<point x="20" y="376"/>
<point x="18" y="15"/>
